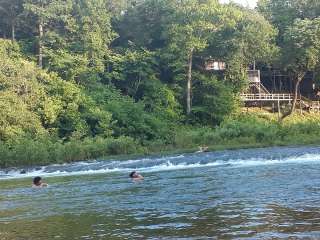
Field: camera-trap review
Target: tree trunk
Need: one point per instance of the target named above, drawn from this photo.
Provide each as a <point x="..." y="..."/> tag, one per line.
<point x="40" y="57"/>
<point x="295" y="97"/>
<point x="13" y="31"/>
<point x="189" y="82"/>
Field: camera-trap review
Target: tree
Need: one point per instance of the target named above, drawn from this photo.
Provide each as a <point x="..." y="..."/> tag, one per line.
<point x="245" y="37"/>
<point x="44" y="100"/>
<point x="301" y="52"/>
<point x="188" y="34"/>
<point x="119" y="7"/>
<point x="46" y="13"/>
<point x="131" y="70"/>
<point x="283" y="13"/>
<point x="298" y="28"/>
<point x="213" y="100"/>
<point x="10" y="11"/>
<point x="84" y="43"/>
<point x="144" y="25"/>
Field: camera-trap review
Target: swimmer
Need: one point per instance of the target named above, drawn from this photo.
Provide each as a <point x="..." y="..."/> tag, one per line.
<point x="135" y="176"/>
<point x="37" y="182"/>
<point x="203" y="149"/>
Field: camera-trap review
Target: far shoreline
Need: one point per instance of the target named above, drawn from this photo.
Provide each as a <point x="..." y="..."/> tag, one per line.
<point x="171" y="152"/>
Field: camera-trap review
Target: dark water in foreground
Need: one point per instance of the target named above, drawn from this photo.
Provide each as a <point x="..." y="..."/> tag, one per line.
<point x="269" y="193"/>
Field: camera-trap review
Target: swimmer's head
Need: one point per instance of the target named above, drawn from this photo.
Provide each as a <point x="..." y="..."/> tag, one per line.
<point x="136" y="176"/>
<point x="133" y="174"/>
<point x="37" y="181"/>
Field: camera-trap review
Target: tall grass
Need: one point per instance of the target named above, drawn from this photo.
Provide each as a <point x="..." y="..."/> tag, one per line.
<point x="242" y="130"/>
<point x="255" y="130"/>
<point x="28" y="152"/>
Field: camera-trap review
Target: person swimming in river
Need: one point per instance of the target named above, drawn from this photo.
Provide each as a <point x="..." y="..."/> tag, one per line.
<point x="135" y="176"/>
<point x="37" y="182"/>
<point x="203" y="149"/>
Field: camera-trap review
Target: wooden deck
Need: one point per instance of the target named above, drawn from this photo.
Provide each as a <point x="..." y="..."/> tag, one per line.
<point x="304" y="103"/>
<point x="257" y="93"/>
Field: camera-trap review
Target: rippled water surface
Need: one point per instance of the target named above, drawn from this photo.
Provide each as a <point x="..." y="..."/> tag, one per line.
<point x="269" y="193"/>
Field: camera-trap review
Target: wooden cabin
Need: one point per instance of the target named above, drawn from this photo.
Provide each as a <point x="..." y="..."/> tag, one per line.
<point x="214" y="65"/>
<point x="254" y="76"/>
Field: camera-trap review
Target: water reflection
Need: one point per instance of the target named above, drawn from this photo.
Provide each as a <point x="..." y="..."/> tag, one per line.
<point x="223" y="222"/>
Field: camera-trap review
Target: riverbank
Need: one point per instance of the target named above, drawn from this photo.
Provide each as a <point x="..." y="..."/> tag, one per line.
<point x="244" y="130"/>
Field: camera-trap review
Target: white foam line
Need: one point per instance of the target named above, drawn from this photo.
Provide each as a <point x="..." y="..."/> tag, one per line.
<point x="62" y="173"/>
<point x="169" y="166"/>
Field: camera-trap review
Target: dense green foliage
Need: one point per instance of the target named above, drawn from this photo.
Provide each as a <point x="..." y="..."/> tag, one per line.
<point x="81" y="79"/>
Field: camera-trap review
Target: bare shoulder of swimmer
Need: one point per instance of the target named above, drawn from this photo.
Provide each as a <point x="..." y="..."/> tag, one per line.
<point x="40" y="186"/>
<point x="138" y="177"/>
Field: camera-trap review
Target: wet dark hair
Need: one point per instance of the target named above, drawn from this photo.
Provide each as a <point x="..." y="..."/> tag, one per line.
<point x="132" y="174"/>
<point x="36" y="180"/>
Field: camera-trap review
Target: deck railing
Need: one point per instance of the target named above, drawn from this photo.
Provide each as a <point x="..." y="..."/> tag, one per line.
<point x="303" y="102"/>
<point x="247" y="97"/>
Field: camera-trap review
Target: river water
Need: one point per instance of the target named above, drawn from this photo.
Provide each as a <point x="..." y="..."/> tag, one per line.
<point x="271" y="193"/>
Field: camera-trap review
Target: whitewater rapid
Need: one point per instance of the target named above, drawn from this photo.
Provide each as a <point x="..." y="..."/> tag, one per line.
<point x="221" y="159"/>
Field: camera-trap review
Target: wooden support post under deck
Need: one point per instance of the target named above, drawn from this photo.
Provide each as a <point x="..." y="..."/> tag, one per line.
<point x="300" y="107"/>
<point x="273" y="107"/>
<point x="279" y="115"/>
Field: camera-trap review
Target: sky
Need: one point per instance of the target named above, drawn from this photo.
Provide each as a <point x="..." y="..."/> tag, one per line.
<point x="250" y="3"/>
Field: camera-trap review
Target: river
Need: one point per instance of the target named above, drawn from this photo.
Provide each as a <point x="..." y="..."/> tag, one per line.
<point x="271" y="193"/>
